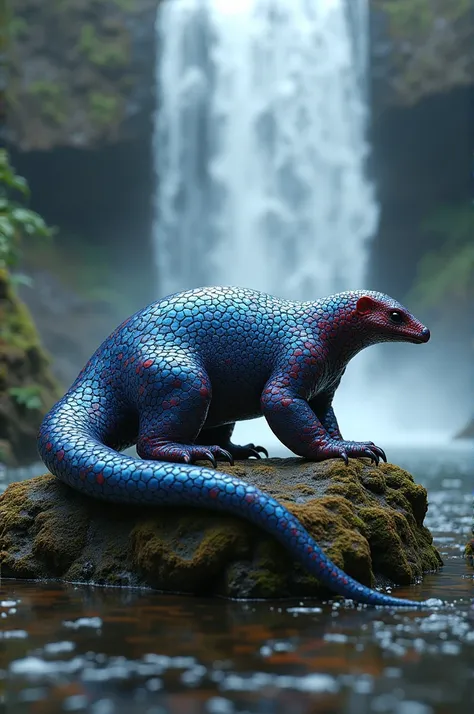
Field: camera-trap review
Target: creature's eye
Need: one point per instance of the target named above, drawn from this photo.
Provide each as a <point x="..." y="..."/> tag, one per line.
<point x="397" y="317"/>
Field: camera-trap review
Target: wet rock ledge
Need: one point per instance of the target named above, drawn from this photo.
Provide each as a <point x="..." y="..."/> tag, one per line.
<point x="368" y="519"/>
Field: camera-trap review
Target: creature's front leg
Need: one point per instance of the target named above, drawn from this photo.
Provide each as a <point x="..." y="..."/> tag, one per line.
<point x="322" y="407"/>
<point x="294" y="422"/>
<point x="325" y="413"/>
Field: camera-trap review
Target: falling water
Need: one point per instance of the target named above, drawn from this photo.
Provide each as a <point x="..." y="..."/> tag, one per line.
<point x="260" y="146"/>
<point x="260" y="153"/>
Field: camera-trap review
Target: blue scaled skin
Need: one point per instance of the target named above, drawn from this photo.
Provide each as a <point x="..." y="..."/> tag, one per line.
<point x="176" y="376"/>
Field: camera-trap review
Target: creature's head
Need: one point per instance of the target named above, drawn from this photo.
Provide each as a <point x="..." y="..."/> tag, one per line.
<point x="383" y="319"/>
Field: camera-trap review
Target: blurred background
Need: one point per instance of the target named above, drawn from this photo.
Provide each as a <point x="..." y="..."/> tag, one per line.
<point x="300" y="148"/>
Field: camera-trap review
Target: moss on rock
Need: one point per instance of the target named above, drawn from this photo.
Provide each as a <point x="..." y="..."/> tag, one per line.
<point x="469" y="551"/>
<point x="49" y="530"/>
<point x="27" y="388"/>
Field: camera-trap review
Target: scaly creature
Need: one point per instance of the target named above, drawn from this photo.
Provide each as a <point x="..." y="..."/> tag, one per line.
<point x="176" y="376"/>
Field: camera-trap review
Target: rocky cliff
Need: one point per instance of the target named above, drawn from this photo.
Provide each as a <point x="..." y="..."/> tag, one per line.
<point x="420" y="48"/>
<point x="81" y="71"/>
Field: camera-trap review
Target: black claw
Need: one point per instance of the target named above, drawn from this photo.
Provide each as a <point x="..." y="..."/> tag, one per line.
<point x="228" y="457"/>
<point x="372" y="455"/>
<point x="211" y="458"/>
<point x="344" y="457"/>
<point x="205" y="455"/>
<point x="262" y="449"/>
<point x="380" y="452"/>
<point x="186" y="458"/>
<point x="254" y="452"/>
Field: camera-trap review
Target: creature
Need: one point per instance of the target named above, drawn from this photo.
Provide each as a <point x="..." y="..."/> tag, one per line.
<point x="176" y="376"/>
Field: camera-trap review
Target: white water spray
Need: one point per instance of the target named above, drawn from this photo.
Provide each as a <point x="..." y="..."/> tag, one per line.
<point x="260" y="151"/>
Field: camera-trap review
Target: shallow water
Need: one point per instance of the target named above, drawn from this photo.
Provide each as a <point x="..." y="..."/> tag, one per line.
<point x="108" y="651"/>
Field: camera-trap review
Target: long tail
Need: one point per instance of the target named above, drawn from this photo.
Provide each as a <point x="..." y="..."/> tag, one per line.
<point x="73" y="454"/>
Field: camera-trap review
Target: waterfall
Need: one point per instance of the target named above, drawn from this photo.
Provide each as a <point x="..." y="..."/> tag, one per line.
<point x="260" y="148"/>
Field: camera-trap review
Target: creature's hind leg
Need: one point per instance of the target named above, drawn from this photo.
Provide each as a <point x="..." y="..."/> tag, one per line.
<point x="221" y="435"/>
<point x="173" y="400"/>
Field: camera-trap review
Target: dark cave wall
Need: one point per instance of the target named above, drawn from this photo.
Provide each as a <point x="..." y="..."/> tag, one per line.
<point x="422" y="158"/>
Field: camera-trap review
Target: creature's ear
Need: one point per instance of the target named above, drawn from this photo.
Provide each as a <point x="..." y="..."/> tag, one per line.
<point x="365" y="304"/>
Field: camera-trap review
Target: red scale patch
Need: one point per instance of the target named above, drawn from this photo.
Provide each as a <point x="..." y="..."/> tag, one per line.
<point x="100" y="478"/>
<point x="49" y="446"/>
<point x="148" y="363"/>
<point x="60" y="455"/>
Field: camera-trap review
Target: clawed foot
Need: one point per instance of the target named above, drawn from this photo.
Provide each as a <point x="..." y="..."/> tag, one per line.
<point x="245" y="452"/>
<point x="181" y="453"/>
<point x="344" y="449"/>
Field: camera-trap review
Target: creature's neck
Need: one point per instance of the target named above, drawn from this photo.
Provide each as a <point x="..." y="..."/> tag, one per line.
<point x="338" y="329"/>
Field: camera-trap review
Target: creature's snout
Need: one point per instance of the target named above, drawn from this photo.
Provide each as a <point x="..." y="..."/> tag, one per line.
<point x="425" y="334"/>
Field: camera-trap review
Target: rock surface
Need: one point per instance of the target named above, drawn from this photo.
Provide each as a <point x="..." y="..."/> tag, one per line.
<point x="27" y="387"/>
<point x="369" y="520"/>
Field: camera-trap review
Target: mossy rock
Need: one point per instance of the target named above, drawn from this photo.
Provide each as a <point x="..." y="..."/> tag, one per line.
<point x="368" y="519"/>
<point x="27" y="387"/>
<point x="469" y="551"/>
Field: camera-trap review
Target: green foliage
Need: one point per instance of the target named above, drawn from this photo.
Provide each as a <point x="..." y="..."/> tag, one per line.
<point x="415" y="18"/>
<point x="52" y="100"/>
<point x="104" y="52"/>
<point x="17" y="28"/>
<point x="16" y="221"/>
<point x="29" y="397"/>
<point x="126" y="5"/>
<point x="104" y="108"/>
<point x="447" y="273"/>
<point x="409" y="17"/>
<point x="16" y="327"/>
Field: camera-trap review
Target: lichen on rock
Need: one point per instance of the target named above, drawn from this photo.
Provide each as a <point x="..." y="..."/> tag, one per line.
<point x="369" y="520"/>
<point x="27" y="387"/>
